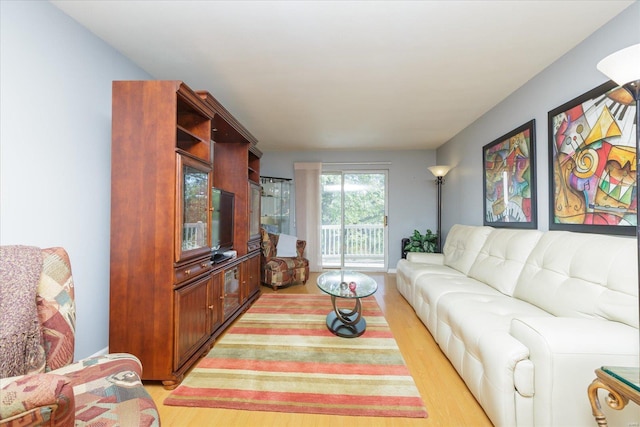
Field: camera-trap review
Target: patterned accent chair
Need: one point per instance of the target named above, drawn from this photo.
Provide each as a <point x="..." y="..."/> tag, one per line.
<point x="103" y="390"/>
<point x="281" y="271"/>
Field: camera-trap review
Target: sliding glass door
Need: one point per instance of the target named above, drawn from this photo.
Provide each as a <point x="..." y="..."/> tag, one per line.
<point x="354" y="213"/>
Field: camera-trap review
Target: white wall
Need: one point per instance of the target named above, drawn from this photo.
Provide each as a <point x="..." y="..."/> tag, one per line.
<point x="55" y="148"/>
<point x="411" y="187"/>
<point x="572" y="75"/>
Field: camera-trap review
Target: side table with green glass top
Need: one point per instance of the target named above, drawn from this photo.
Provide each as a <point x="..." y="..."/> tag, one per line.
<point x="622" y="383"/>
<point x="345" y="284"/>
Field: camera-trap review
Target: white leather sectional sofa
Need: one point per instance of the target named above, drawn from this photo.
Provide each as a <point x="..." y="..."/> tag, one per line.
<point x="526" y="316"/>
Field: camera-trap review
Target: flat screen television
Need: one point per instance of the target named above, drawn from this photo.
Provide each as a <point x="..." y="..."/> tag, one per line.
<point x="221" y="220"/>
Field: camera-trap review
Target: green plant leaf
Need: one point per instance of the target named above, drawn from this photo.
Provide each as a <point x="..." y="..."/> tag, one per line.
<point x="419" y="242"/>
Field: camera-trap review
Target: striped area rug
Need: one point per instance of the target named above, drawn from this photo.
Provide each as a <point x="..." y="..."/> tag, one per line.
<point x="279" y="356"/>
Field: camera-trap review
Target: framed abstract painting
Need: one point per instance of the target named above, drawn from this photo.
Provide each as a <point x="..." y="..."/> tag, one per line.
<point x="592" y="163"/>
<point x="510" y="180"/>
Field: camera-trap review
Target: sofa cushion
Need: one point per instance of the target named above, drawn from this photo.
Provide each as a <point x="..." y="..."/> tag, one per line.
<point x="286" y="246"/>
<point x="472" y="316"/>
<point x="417" y="263"/>
<point x="463" y="245"/>
<point x="502" y="257"/>
<point x="286" y="264"/>
<point x="414" y="270"/>
<point x="566" y="276"/>
<point x="409" y="270"/>
<point x="430" y="288"/>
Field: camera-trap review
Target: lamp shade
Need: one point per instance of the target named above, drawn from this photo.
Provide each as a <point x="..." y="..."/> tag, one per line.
<point x="439" y="171"/>
<point x="622" y="66"/>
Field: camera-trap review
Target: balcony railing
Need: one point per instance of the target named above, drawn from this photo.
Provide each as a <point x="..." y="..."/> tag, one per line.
<point x="194" y="235"/>
<point x="363" y="245"/>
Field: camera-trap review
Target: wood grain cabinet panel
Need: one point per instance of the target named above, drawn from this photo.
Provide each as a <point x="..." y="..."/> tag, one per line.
<point x="167" y="301"/>
<point x="193" y="319"/>
<point x="252" y="272"/>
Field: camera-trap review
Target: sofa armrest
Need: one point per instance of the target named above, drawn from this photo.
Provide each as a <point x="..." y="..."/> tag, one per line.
<point x="268" y="246"/>
<point x="38" y="399"/>
<point x="99" y="366"/>
<point x="108" y="391"/>
<point x="565" y="352"/>
<point x="568" y="335"/>
<point x="425" y="258"/>
<point x="300" y="246"/>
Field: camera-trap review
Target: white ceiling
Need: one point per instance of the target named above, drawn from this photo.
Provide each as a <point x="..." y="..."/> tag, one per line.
<point x="347" y="75"/>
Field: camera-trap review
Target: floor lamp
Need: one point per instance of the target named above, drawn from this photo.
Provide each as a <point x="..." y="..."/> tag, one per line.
<point x="623" y="67"/>
<point x="439" y="172"/>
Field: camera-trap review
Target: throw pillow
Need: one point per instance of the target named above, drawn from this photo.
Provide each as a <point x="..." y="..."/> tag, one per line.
<point x="286" y="246"/>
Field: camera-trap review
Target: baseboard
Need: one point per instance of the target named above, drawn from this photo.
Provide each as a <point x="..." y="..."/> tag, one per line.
<point x="391" y="271"/>
<point x="101" y="352"/>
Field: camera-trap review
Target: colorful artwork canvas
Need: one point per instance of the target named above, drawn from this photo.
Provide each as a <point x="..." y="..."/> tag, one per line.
<point x="509" y="179"/>
<point x="592" y="164"/>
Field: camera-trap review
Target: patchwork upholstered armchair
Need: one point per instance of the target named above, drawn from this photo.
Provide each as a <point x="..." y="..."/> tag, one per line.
<point x="39" y="384"/>
<point x="276" y="270"/>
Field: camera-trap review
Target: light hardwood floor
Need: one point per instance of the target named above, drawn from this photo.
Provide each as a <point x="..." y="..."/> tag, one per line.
<point x="448" y="401"/>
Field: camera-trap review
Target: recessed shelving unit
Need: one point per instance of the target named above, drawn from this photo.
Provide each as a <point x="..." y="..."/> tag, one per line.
<point x="275" y="204"/>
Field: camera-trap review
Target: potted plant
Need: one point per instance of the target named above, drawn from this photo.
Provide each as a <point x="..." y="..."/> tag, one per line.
<point x="419" y="242"/>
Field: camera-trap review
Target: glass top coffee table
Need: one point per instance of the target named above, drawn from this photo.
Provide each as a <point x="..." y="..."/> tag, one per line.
<point x="345" y="284"/>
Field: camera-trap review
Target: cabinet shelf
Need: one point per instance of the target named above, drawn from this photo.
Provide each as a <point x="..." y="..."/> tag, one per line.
<point x="193" y="128"/>
<point x="193" y="144"/>
<point x="192" y="121"/>
<point x="253" y="164"/>
<point x="184" y="135"/>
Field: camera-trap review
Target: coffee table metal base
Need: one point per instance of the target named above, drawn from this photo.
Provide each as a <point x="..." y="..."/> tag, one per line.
<point x="346" y="323"/>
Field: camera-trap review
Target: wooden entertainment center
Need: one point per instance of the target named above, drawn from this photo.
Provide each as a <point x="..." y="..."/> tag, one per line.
<point x="168" y="301"/>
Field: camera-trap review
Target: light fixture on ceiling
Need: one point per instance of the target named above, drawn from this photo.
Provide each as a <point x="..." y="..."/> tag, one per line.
<point x="439" y="172"/>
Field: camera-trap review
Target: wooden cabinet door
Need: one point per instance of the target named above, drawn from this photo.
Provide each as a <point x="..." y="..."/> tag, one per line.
<point x="254" y="211"/>
<point x="252" y="274"/>
<point x="192" y="319"/>
<point x="216" y="298"/>
<point x="193" y="216"/>
<point x="232" y="296"/>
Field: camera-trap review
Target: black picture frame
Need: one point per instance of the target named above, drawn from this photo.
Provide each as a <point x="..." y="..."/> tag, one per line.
<point x="592" y="161"/>
<point x="509" y="179"/>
